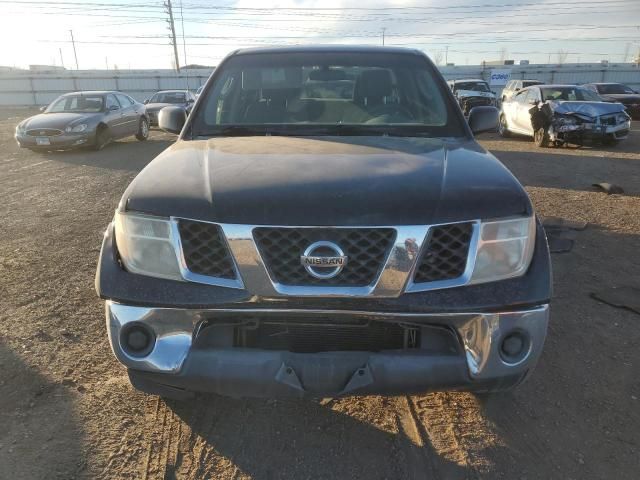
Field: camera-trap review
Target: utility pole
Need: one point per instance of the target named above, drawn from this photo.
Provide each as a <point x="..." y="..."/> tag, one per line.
<point x="383" y="30"/>
<point x="172" y="28"/>
<point x="184" y="44"/>
<point x="446" y="55"/>
<point x="61" y="59"/>
<point x="73" y="42"/>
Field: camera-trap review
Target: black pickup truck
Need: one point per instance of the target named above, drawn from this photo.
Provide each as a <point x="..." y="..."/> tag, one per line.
<point x="325" y="224"/>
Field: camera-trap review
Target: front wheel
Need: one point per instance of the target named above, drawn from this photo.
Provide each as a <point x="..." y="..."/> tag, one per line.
<point x="502" y="127"/>
<point x="143" y="130"/>
<point x="541" y="137"/>
<point x="103" y="137"/>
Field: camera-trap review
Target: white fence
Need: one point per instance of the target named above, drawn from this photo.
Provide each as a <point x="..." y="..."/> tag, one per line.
<point x="39" y="88"/>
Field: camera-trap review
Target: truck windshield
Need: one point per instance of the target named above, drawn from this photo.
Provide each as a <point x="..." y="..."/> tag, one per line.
<point x="325" y="93"/>
<point x="473" y="86"/>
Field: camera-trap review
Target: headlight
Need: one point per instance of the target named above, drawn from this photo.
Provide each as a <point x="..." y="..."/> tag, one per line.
<point x="622" y="117"/>
<point x="76" y="129"/>
<point x="146" y="245"/>
<point x="20" y="128"/>
<point x="505" y="249"/>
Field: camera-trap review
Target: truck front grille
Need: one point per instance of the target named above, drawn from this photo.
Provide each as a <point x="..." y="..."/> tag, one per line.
<point x="310" y="337"/>
<point x="366" y="249"/>
<point x="445" y="255"/>
<point x="205" y="250"/>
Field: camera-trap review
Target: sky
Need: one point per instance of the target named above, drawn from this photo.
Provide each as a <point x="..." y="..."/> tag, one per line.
<point x="135" y="33"/>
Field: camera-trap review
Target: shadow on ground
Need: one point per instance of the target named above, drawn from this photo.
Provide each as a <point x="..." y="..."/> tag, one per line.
<point x="39" y="437"/>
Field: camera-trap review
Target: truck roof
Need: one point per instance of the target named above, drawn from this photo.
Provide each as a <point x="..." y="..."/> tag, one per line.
<point x="327" y="49"/>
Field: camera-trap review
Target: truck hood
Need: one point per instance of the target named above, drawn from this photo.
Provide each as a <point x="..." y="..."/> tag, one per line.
<point x="326" y="181"/>
<point x="474" y="93"/>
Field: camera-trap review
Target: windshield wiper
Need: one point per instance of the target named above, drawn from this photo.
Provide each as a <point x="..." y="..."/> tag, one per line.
<point x="310" y="130"/>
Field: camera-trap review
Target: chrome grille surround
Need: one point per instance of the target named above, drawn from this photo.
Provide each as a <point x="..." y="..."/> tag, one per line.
<point x="394" y="278"/>
<point x="44" y="132"/>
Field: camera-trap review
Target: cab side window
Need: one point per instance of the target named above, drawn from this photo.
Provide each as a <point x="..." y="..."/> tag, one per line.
<point x="532" y="96"/>
<point x="111" y="101"/>
<point x="124" y="100"/>
<point x="521" y="97"/>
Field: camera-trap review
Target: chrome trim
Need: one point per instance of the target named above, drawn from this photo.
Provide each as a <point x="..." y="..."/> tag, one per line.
<point x="190" y="276"/>
<point x="396" y="276"/>
<point x="480" y="334"/>
<point x="464" y="279"/>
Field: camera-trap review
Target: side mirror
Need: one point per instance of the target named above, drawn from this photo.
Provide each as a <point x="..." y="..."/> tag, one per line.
<point x="483" y="119"/>
<point x="113" y="108"/>
<point x="146" y="100"/>
<point x="172" y="119"/>
<point x="43" y="108"/>
<point x="517" y="89"/>
<point x="532" y="102"/>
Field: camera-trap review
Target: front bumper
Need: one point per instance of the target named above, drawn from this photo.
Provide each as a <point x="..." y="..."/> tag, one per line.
<point x="178" y="361"/>
<point x="57" y="142"/>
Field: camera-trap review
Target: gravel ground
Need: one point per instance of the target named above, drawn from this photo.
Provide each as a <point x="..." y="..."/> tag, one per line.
<point x="67" y="410"/>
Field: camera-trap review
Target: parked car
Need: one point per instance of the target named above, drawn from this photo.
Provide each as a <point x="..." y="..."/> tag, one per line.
<point x="166" y="98"/>
<point x="617" y="92"/>
<point x="472" y="93"/>
<point x="287" y="245"/>
<point x="514" y="86"/>
<point x="559" y="114"/>
<point x="84" y="119"/>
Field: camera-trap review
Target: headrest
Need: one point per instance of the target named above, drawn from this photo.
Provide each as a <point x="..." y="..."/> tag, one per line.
<point x="374" y="84"/>
<point x="327" y="75"/>
<point x="271" y="78"/>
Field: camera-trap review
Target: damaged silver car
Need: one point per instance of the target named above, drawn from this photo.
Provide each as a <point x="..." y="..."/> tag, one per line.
<point x="472" y="93"/>
<point x="555" y="115"/>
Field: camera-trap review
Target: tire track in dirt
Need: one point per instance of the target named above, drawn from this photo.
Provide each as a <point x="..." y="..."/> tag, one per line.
<point x="459" y="438"/>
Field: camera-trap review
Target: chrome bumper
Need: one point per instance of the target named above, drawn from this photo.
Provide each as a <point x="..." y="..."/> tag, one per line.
<point x="480" y="335"/>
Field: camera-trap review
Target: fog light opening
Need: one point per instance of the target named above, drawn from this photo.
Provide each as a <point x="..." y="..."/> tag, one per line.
<point x="515" y="347"/>
<point x="137" y="340"/>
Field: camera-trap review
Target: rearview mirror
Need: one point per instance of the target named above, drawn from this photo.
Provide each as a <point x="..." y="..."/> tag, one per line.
<point x="113" y="108"/>
<point x="483" y="119"/>
<point x="172" y="119"/>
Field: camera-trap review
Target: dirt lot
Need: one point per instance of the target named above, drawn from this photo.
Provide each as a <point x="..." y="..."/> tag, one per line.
<point x="67" y="410"/>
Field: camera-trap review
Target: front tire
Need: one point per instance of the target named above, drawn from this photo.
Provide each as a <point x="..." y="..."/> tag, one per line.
<point x="143" y="129"/>
<point x="103" y="137"/>
<point x="502" y="127"/>
<point x="541" y="137"/>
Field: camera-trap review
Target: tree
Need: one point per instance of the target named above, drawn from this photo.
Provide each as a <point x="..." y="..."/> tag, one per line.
<point x="437" y="57"/>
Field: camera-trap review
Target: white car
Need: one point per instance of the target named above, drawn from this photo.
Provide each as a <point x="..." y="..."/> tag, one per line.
<point x="559" y="114"/>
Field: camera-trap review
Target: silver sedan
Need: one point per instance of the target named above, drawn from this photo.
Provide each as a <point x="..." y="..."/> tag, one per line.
<point x="84" y="119"/>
